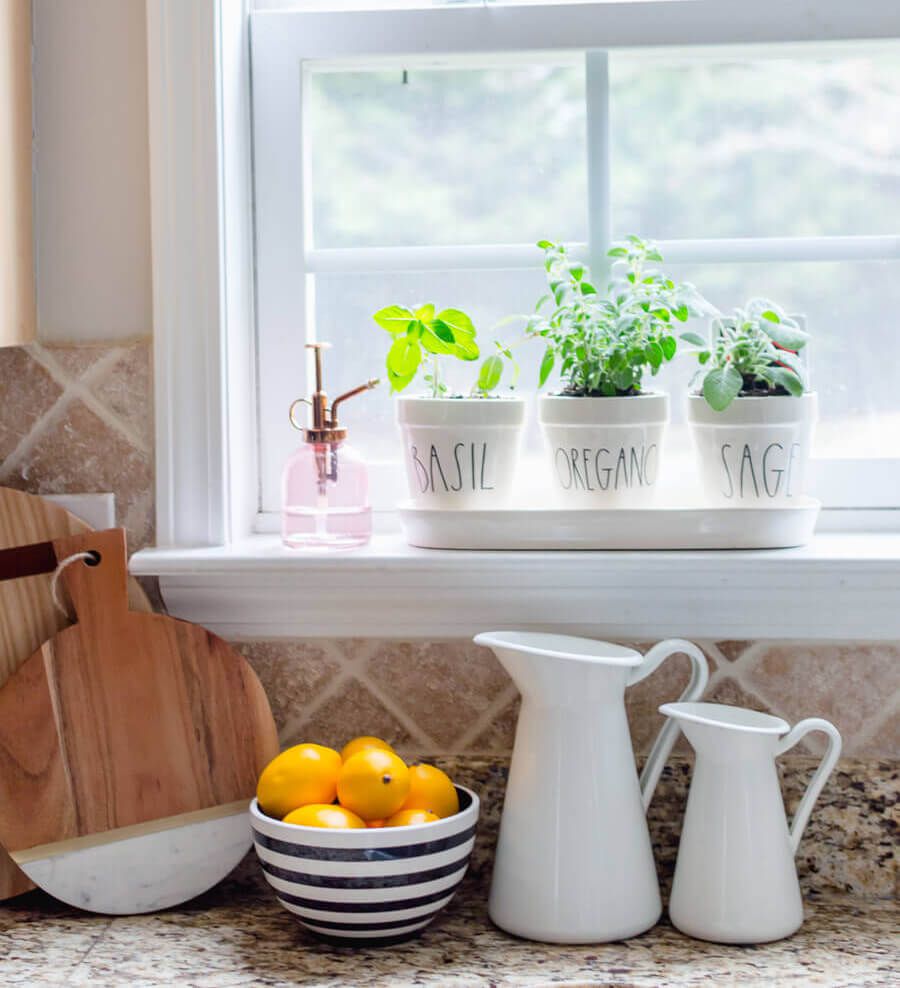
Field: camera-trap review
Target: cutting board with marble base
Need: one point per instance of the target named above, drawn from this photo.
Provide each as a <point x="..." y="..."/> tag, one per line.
<point x="28" y="616"/>
<point x="130" y="746"/>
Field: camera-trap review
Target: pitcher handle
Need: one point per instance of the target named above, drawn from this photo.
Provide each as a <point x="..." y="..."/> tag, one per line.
<point x="826" y="767"/>
<point x="662" y="746"/>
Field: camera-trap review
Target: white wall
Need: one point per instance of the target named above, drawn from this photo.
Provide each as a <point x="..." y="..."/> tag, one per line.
<point x="92" y="183"/>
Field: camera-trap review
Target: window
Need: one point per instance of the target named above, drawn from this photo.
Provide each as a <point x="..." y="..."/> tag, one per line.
<point x="412" y="155"/>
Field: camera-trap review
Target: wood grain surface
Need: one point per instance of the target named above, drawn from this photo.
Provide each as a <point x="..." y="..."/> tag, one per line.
<point x="123" y="717"/>
<point x="28" y="616"/>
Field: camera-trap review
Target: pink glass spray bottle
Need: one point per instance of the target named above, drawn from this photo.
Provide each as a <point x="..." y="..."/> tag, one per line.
<point x="325" y="486"/>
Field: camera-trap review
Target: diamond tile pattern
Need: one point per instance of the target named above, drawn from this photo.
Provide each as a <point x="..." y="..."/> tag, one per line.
<point x="452" y="697"/>
<point x="78" y="418"/>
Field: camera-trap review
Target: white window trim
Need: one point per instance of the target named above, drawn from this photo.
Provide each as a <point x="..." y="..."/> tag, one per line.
<point x="213" y="568"/>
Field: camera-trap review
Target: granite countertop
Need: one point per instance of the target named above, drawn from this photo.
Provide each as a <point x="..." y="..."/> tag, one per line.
<point x="237" y="934"/>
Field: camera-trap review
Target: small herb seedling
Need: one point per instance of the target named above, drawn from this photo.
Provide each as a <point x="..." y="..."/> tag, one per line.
<point x="753" y="352"/>
<point x="491" y="371"/>
<point x="419" y="334"/>
<point x="603" y="344"/>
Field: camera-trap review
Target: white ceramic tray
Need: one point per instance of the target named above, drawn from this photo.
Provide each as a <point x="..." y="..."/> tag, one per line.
<point x="688" y="527"/>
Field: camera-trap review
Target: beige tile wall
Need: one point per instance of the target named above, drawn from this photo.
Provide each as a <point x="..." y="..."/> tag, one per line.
<point x="80" y="419"/>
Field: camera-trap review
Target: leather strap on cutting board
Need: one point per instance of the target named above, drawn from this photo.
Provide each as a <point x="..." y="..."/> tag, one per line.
<point x="124" y="718"/>
<point x="28" y="616"/>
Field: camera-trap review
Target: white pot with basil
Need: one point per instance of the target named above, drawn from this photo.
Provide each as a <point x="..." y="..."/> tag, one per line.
<point x="459" y="450"/>
<point x="604" y="429"/>
<point x="753" y="421"/>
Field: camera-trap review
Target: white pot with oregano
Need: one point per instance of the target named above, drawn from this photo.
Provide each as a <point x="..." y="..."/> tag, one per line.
<point x="460" y="451"/>
<point x="754" y="419"/>
<point x="604" y="430"/>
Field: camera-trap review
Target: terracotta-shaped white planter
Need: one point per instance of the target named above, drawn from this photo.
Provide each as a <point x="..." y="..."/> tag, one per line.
<point x="755" y="451"/>
<point x="604" y="452"/>
<point x="460" y="452"/>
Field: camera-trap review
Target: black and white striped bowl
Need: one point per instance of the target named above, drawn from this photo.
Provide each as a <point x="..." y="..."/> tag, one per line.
<point x="375" y="886"/>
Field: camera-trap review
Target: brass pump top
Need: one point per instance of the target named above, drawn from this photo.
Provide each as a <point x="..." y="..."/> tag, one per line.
<point x="325" y="428"/>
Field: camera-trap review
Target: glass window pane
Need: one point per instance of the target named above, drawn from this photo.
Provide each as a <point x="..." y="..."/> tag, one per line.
<point x="462" y="156"/>
<point x="755" y="147"/>
<point x="344" y="308"/>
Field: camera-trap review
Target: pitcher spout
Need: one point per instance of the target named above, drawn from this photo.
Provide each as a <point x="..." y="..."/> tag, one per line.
<point x="561" y="668"/>
<point x="722" y="732"/>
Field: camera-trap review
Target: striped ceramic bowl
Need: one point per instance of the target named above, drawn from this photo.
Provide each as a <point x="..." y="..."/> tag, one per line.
<point x="374" y="886"/>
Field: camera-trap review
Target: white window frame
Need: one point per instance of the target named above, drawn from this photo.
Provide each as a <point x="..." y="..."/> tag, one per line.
<point x="212" y="566"/>
<point x="283" y="44"/>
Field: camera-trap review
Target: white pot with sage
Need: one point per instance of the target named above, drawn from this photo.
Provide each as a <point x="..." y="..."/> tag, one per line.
<point x="753" y="420"/>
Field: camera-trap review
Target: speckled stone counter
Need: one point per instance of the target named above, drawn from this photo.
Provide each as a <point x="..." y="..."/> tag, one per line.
<point x="238" y="935"/>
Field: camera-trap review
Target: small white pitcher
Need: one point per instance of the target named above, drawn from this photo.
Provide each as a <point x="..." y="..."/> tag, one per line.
<point x="735" y="879"/>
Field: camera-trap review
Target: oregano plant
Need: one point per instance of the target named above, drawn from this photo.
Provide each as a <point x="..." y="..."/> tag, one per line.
<point x="754" y="351"/>
<point x="603" y="344"/>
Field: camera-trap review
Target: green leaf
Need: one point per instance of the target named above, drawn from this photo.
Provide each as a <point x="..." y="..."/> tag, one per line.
<point x="681" y="313"/>
<point x="721" y="386"/>
<point x="404" y="357"/>
<point x="395" y="319"/>
<point x="490" y="374"/>
<point x="442" y="331"/>
<point x="433" y="339"/>
<point x="787" y="379"/>
<point x="577" y="271"/>
<point x="547" y="362"/>
<point x="544" y="244"/>
<point x="397" y="381"/>
<point x="458" y="321"/>
<point x="587" y="288"/>
<point x="654" y="353"/>
<point x="789" y="337"/>
<point x="669" y="346"/>
<point x="617" y="252"/>
<point x="466" y="349"/>
<point x="771" y="316"/>
<point x="704" y="356"/>
<point x="425" y="313"/>
<point x="693" y="338"/>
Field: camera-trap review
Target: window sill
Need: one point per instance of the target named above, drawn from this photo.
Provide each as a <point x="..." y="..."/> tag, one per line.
<point x="840" y="586"/>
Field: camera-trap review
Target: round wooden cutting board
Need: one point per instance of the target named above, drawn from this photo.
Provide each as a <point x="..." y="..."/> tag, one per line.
<point x="130" y="746"/>
<point x="28" y="616"/>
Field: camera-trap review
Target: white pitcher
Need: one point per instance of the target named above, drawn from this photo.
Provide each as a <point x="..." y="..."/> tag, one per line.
<point x="574" y="862"/>
<point x="735" y="880"/>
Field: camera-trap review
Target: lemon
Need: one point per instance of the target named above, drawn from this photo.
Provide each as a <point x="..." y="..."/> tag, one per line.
<point x="306" y="773"/>
<point x="406" y="818"/>
<point x="373" y="783"/>
<point x="357" y="745"/>
<point x="431" y="789"/>
<point x="325" y="815"/>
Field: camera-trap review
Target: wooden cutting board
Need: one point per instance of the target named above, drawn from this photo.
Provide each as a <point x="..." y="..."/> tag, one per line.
<point x="130" y="746"/>
<point x="28" y="616"/>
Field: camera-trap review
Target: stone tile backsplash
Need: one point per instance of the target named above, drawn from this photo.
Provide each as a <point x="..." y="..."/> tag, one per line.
<point x="79" y="418"/>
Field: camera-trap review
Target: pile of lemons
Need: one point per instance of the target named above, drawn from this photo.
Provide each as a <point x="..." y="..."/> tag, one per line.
<point x="367" y="784"/>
